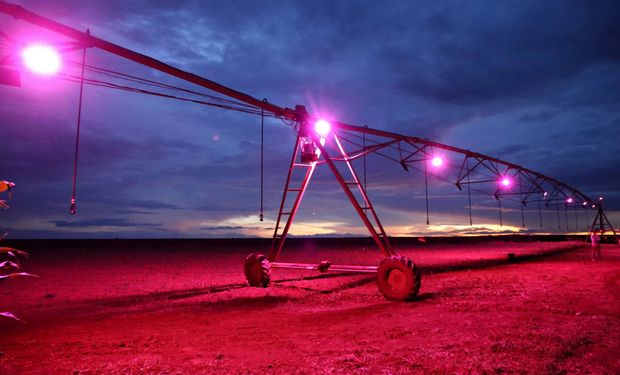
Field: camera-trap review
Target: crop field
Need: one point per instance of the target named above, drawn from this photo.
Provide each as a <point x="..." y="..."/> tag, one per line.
<point x="123" y="307"/>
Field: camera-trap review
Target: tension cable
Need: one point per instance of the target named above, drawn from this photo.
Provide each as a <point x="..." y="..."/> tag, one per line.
<point x="262" y="137"/>
<point x="73" y="207"/>
<point x="364" y="144"/>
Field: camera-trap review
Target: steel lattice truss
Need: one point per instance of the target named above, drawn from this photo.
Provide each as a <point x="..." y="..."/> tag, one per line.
<point x="344" y="144"/>
<point x="475" y="168"/>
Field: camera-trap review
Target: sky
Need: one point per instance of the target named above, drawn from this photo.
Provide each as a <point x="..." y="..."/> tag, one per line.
<point x="533" y="83"/>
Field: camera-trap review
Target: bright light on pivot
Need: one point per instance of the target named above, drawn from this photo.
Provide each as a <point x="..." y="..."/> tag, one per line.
<point x="505" y="182"/>
<point x="437" y="162"/>
<point x="569" y="200"/>
<point x="322" y="127"/>
<point x="41" y="59"/>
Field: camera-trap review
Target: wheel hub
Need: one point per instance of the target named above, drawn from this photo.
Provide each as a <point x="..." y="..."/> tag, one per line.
<point x="397" y="280"/>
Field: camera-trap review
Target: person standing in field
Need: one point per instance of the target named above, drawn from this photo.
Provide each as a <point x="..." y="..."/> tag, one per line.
<point x="596" y="245"/>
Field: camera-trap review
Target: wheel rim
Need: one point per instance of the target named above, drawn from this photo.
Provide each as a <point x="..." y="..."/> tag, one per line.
<point x="397" y="280"/>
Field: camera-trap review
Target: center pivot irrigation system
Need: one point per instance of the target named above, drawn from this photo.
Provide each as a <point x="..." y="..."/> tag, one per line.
<point x="338" y="145"/>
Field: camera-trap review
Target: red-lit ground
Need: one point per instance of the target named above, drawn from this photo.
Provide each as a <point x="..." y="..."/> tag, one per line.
<point x="187" y="311"/>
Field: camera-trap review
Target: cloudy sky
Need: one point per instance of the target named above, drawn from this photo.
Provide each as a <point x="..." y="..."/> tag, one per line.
<point x="531" y="82"/>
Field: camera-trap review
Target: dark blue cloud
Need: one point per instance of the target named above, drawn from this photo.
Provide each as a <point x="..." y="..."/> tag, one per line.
<point x="227" y="228"/>
<point x="153" y="205"/>
<point x="101" y="223"/>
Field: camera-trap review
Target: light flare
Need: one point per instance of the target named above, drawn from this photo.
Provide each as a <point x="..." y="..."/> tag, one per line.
<point x="322" y="127"/>
<point x="437" y="162"/>
<point x="41" y="59"/>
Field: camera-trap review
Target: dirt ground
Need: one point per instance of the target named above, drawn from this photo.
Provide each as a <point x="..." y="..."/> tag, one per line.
<point x="549" y="309"/>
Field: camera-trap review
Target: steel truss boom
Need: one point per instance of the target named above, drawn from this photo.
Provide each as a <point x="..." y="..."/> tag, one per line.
<point x="489" y="162"/>
<point x="90" y="41"/>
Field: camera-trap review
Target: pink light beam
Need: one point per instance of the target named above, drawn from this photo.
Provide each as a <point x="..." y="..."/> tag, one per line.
<point x="505" y="182"/>
<point x="437" y="162"/>
<point x="322" y="127"/>
<point x="41" y="59"/>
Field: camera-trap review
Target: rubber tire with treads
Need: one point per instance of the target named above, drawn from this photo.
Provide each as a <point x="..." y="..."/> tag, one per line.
<point x="398" y="278"/>
<point x="257" y="270"/>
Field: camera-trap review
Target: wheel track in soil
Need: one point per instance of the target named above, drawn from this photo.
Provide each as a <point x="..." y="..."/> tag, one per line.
<point x="571" y="349"/>
<point x="149" y="299"/>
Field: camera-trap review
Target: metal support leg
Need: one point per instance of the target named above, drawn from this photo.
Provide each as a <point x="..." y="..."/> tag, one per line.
<point x="376" y="230"/>
<point x="280" y="237"/>
<point x="362" y="207"/>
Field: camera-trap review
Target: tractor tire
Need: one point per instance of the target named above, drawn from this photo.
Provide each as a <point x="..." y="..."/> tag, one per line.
<point x="398" y="278"/>
<point x="257" y="270"/>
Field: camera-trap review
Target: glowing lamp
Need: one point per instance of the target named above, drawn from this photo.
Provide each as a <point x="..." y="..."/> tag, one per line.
<point x="585" y="203"/>
<point x="569" y="200"/>
<point x="545" y="194"/>
<point x="437" y="162"/>
<point x="41" y="59"/>
<point x="505" y="182"/>
<point x="322" y="127"/>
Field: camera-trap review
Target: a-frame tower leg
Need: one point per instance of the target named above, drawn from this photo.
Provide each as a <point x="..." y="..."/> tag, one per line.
<point x="362" y="206"/>
<point x="280" y="233"/>
<point x="600" y="220"/>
